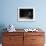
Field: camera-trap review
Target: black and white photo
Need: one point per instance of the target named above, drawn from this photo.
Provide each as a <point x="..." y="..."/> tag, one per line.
<point x="26" y="14"/>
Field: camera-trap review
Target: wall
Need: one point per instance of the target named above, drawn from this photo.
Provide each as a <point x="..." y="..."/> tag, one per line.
<point x="8" y="9"/>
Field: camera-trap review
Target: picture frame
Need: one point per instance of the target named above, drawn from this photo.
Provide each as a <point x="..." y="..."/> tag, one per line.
<point x="26" y="14"/>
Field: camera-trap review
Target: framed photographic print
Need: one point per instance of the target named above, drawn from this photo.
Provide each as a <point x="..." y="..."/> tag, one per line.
<point x="26" y="14"/>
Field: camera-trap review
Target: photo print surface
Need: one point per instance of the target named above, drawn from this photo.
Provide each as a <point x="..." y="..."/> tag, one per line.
<point x="26" y="13"/>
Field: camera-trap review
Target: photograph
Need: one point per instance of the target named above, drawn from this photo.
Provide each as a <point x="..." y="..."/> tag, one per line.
<point x="26" y="14"/>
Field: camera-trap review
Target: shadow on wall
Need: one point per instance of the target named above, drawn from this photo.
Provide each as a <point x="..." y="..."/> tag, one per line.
<point x="2" y="26"/>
